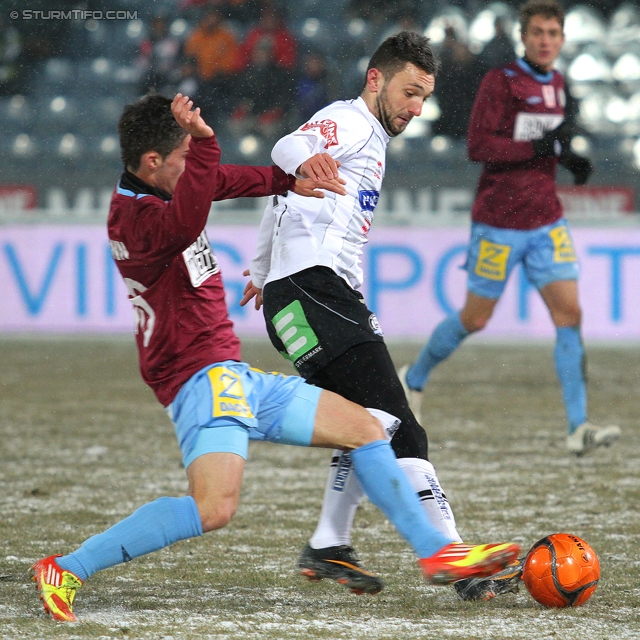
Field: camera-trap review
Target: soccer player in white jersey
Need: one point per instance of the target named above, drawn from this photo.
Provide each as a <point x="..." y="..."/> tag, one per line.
<point x="307" y="272"/>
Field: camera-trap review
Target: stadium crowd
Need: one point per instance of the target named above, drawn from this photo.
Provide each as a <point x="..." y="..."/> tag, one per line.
<point x="262" y="66"/>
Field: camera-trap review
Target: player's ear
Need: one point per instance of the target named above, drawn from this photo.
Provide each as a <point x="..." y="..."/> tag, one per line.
<point x="151" y="160"/>
<point x="375" y="80"/>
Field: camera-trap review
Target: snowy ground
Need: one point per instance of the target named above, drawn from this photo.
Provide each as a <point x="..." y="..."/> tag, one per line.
<point x="84" y="443"/>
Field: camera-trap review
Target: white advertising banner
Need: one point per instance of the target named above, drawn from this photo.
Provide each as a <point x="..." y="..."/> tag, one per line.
<point x="62" y="278"/>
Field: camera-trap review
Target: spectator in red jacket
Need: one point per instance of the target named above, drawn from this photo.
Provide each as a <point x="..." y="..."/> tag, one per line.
<point x="272" y="30"/>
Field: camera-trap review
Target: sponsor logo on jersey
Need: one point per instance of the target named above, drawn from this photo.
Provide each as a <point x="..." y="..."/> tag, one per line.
<point x="228" y="394"/>
<point x="492" y="260"/>
<point x="533" y="100"/>
<point x="533" y="126"/>
<point x="328" y="130"/>
<point x="200" y="260"/>
<point x="563" y="250"/>
<point x="368" y="199"/>
<point x="374" y="323"/>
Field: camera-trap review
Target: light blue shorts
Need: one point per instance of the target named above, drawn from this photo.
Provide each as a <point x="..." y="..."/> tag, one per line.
<point x="547" y="255"/>
<point x="224" y="405"/>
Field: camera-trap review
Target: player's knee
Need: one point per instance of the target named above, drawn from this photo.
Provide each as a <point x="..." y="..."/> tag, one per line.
<point x="575" y="317"/>
<point x="369" y="430"/>
<point x="216" y="515"/>
<point x="476" y="322"/>
<point x="569" y="316"/>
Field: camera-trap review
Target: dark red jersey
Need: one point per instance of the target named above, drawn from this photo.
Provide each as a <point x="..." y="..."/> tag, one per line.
<point x="515" y="105"/>
<point x="161" y="248"/>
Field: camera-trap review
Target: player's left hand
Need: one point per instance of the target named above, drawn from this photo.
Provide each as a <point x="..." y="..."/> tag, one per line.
<point x="320" y="166"/>
<point x="311" y="188"/>
<point x="251" y="291"/>
<point x="581" y="167"/>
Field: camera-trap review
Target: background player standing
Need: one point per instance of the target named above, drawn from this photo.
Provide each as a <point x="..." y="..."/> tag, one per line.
<point x="518" y="130"/>
<point x="190" y="357"/>
<point x="307" y="271"/>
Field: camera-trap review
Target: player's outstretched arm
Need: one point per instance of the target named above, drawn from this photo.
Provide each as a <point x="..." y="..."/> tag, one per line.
<point x="320" y="166"/>
<point x="190" y="120"/>
<point x="320" y="171"/>
<point x="311" y="188"/>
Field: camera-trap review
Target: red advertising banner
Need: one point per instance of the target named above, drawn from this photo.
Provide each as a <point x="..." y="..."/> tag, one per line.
<point x="592" y="202"/>
<point x="17" y="197"/>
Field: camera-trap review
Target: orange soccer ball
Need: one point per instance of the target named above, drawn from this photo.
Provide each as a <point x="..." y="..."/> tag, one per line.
<point x="561" y="570"/>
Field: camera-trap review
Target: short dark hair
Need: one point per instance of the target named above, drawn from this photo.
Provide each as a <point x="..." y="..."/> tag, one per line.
<point x="407" y="46"/>
<point x="148" y="125"/>
<point x="546" y="8"/>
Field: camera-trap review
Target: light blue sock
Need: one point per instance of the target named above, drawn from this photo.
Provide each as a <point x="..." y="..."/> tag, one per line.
<point x="388" y="488"/>
<point x="571" y="369"/>
<point x="151" y="527"/>
<point x="444" y="340"/>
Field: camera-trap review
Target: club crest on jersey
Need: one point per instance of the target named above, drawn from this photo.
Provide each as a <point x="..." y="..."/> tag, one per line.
<point x="200" y="260"/>
<point x="374" y="323"/>
<point x="328" y="130"/>
<point x="368" y="199"/>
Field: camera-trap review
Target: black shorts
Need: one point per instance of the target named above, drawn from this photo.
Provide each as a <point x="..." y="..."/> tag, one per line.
<point x="314" y="316"/>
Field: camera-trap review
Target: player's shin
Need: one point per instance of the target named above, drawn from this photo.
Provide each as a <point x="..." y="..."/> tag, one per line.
<point x="570" y="366"/>
<point x="444" y="340"/>
<point x="343" y="493"/>
<point x="388" y="488"/>
<point x="425" y="483"/>
<point x="151" y="527"/>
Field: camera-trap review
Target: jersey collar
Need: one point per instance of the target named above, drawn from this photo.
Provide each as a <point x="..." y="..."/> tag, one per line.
<point x="375" y="123"/>
<point x="130" y="184"/>
<point x="545" y="78"/>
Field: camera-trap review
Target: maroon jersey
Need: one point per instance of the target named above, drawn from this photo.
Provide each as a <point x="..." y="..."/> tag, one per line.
<point x="515" y="105"/>
<point x="161" y="248"/>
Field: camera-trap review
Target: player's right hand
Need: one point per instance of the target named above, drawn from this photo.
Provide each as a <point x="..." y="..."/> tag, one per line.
<point x="191" y="121"/>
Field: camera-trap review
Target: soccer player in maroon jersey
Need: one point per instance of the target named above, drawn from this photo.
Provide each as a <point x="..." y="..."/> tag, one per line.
<point x="518" y="130"/>
<point x="190" y="357"/>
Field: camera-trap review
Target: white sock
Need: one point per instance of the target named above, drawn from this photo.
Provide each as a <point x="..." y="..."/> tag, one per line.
<point x="343" y="493"/>
<point x="424" y="480"/>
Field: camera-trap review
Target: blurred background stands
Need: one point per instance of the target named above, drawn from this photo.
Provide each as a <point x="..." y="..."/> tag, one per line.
<point x="63" y="84"/>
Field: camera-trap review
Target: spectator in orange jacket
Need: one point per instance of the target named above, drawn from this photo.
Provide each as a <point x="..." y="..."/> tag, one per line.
<point x="215" y="51"/>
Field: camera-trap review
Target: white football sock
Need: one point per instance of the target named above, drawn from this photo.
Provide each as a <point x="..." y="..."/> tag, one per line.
<point x="424" y="480"/>
<point x="343" y="493"/>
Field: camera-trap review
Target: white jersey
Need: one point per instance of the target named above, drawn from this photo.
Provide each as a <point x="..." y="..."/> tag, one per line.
<point x="297" y="233"/>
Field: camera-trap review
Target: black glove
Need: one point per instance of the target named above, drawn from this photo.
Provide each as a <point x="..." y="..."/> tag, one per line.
<point x="581" y="167"/>
<point x="557" y="143"/>
<point x="554" y="142"/>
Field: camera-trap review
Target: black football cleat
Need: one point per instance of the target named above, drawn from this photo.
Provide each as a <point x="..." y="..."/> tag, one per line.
<point x="505" y="581"/>
<point x="340" y="564"/>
